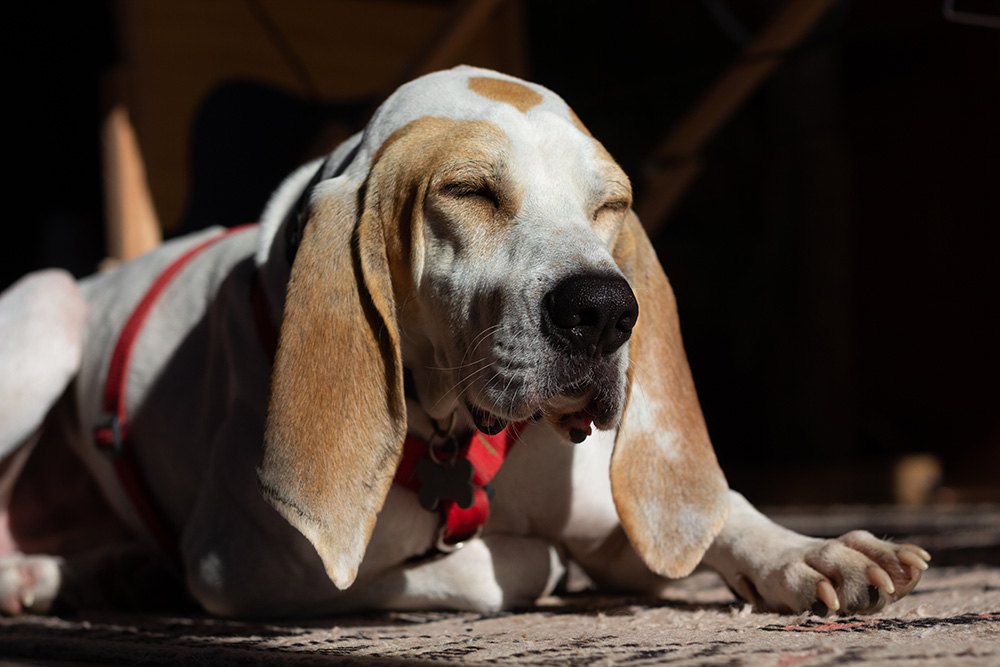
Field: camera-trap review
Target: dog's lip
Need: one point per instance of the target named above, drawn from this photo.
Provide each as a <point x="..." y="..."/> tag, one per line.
<point x="576" y="409"/>
<point x="486" y="421"/>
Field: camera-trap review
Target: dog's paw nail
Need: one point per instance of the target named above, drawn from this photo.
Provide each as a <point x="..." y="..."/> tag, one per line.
<point x="827" y="597"/>
<point x="907" y="557"/>
<point x="878" y="578"/>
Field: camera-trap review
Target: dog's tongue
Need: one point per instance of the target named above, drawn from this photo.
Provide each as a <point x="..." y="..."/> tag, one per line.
<point x="487" y="422"/>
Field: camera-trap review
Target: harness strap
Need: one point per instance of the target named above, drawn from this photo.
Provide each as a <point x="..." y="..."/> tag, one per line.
<point x="112" y="437"/>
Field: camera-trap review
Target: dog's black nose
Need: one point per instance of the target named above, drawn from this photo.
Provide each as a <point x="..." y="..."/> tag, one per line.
<point x="590" y="313"/>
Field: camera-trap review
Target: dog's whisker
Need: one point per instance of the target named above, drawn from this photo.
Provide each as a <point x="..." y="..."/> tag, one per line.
<point x="459" y="367"/>
<point x="482" y="336"/>
<point x="478" y="340"/>
<point x="465" y="380"/>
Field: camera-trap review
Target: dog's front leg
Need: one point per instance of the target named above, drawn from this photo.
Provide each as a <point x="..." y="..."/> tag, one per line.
<point x="777" y="569"/>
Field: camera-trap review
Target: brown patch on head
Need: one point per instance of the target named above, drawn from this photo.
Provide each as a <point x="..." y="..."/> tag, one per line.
<point x="516" y="94"/>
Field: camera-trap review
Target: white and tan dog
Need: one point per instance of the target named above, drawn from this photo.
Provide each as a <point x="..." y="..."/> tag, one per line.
<point x="475" y="238"/>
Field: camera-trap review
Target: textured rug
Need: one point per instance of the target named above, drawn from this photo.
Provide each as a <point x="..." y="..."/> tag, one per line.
<point x="953" y="618"/>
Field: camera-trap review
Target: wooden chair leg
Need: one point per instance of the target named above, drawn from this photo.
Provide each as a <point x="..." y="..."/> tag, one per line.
<point x="132" y="224"/>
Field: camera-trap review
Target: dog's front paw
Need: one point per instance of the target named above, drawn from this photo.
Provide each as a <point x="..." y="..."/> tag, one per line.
<point x="28" y="584"/>
<point x="856" y="573"/>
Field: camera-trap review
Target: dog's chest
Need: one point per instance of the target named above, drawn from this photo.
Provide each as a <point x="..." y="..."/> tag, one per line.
<point x="544" y="487"/>
<point x="552" y="488"/>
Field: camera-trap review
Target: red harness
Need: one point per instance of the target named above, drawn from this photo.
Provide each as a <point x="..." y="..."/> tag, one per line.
<point x="453" y="479"/>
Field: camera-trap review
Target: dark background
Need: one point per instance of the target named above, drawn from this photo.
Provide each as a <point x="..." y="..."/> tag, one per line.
<point x="835" y="263"/>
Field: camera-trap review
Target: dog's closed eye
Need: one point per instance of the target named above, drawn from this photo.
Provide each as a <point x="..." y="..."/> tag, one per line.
<point x="479" y="190"/>
<point x="615" y="207"/>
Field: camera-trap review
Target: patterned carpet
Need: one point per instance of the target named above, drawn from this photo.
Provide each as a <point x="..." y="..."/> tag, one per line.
<point x="953" y="618"/>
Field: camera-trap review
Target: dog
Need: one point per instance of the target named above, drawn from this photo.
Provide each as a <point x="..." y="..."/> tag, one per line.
<point x="444" y="367"/>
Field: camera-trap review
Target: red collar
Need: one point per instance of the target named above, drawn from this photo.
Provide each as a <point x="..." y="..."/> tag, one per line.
<point x="454" y="477"/>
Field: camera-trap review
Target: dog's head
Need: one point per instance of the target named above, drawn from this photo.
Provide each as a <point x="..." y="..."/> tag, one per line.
<point x="478" y="234"/>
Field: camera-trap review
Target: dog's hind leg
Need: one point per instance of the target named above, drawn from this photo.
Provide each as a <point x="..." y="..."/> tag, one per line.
<point x="42" y="318"/>
<point x="122" y="575"/>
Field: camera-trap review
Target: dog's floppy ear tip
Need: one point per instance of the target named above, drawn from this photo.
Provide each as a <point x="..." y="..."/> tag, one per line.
<point x="680" y="558"/>
<point x="672" y="538"/>
<point x="341" y="569"/>
<point x="341" y="561"/>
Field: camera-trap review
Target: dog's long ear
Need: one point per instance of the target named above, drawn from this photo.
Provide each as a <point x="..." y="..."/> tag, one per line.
<point x="668" y="488"/>
<point x="337" y="417"/>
